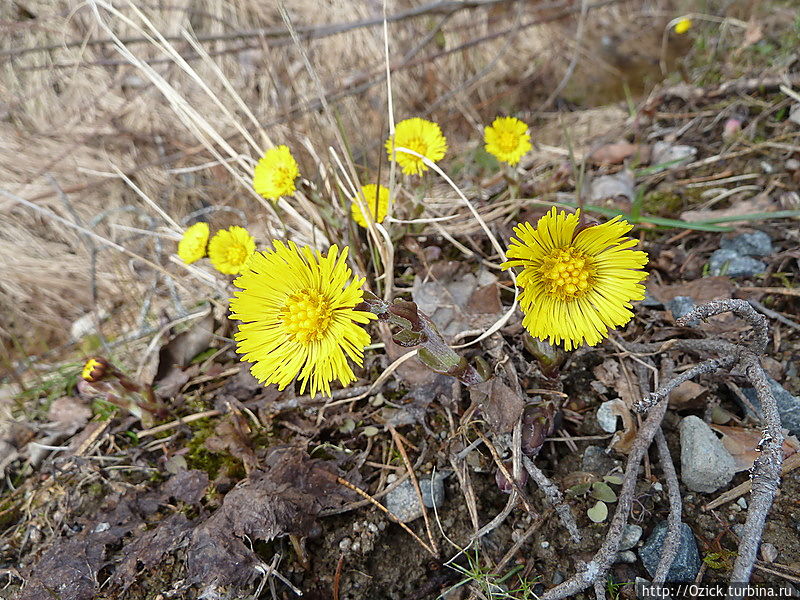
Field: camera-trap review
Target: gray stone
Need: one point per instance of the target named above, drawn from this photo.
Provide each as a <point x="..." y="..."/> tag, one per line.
<point x="706" y="465"/>
<point x="687" y="560"/>
<point x="788" y="405"/>
<point x="664" y="152"/>
<point x="729" y="262"/>
<point x="631" y="535"/>
<point x="595" y="460"/>
<point x="756" y="243"/>
<point x="626" y="557"/>
<point x="650" y="301"/>
<point x="404" y="503"/>
<point x="607" y="419"/>
<point x="679" y="305"/>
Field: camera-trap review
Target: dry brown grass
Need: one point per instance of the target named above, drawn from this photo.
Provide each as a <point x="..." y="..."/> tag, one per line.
<point x="76" y="114"/>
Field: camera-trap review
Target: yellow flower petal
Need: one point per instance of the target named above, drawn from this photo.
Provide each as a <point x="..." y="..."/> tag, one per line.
<point x="298" y="317"/>
<point x="507" y="139"/>
<point x="230" y="249"/>
<point x="192" y="246"/>
<point x="377" y="200"/>
<point x="421" y="136"/>
<point x="275" y="173"/>
<point x="575" y="286"/>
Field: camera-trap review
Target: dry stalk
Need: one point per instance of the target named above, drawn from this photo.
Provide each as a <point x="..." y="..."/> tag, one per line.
<point x="765" y="474"/>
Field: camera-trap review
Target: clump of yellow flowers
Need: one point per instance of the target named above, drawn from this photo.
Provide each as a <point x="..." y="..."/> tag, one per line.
<point x="301" y="311"/>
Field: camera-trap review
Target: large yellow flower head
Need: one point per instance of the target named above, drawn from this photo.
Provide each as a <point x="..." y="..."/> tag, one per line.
<point x="421" y="136"/>
<point x="507" y="139"/>
<point x="193" y="244"/>
<point x="376" y="198"/>
<point x="296" y="308"/>
<point x="275" y="173"/>
<point x="230" y="249"/>
<point x="575" y="284"/>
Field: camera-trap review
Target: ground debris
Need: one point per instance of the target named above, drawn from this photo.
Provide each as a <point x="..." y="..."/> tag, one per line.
<point x="148" y="549"/>
<point x="283" y="500"/>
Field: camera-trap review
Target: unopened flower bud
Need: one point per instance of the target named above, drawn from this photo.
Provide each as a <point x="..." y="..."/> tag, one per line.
<point x="504" y="484"/>
<point x="95" y="369"/>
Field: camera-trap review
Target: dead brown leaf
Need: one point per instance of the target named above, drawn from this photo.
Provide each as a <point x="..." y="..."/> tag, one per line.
<point x="68" y="414"/>
<point x="614" y="154"/>
<point x="687" y="395"/>
<point x="500" y="405"/>
<point x="700" y="290"/>
<point x="741" y="444"/>
<point x="149" y="548"/>
<point x="232" y="435"/>
<point x="623" y="440"/>
<point x="610" y="374"/>
<point x="285" y="499"/>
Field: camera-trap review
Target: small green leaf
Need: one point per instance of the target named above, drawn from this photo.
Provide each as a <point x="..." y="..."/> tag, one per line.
<point x="602" y="491"/>
<point x="579" y="489"/>
<point x="598" y="513"/>
<point x="348" y="426"/>
<point x="370" y="430"/>
<point x="613" y="479"/>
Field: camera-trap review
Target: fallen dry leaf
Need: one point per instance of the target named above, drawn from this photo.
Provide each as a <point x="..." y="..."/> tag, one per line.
<point x="285" y="499"/>
<point x="612" y="376"/>
<point x="687" y="395"/>
<point x="614" y="154"/>
<point x="741" y="444"/>
<point x="500" y="405"/>
<point x="623" y="440"/>
<point x="149" y="548"/>
<point x="68" y="414"/>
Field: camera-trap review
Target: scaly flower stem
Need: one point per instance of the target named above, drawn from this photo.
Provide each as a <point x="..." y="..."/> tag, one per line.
<point x="417" y="329"/>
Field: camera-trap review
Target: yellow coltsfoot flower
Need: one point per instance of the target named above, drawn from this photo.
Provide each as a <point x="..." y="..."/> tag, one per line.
<point x="275" y="173"/>
<point x="575" y="284"/>
<point x="421" y="136"/>
<point x="376" y="197"/>
<point x="507" y="139"/>
<point x="230" y="249"/>
<point x="296" y="307"/>
<point x="192" y="246"/>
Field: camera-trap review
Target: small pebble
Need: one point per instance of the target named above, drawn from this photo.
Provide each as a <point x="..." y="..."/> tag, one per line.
<point x="687" y="560"/>
<point x="769" y="552"/>
<point x="558" y="577"/>
<point x="742" y="502"/>
<point x="606" y="418"/>
<point x="626" y="557"/>
<point x="631" y="535"/>
<point x="679" y="306"/>
<point x="404" y="503"/>
<point x="545" y="545"/>
<point x="731" y="263"/>
<point x="706" y="465"/>
<point x="755" y="243"/>
<point x="792" y="164"/>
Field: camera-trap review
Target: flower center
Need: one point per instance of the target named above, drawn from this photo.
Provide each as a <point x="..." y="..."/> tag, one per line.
<point x="567" y="273"/>
<point x="307" y="315"/>
<point x="507" y="141"/>
<point x="237" y="254"/>
<point x="416" y="144"/>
